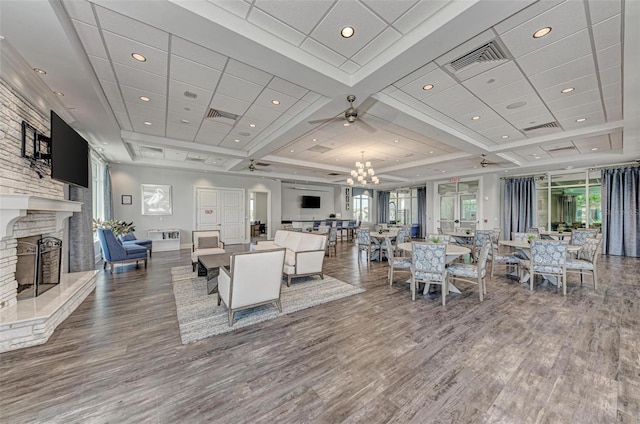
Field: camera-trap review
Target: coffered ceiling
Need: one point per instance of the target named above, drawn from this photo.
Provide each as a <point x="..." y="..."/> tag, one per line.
<point x="437" y="83"/>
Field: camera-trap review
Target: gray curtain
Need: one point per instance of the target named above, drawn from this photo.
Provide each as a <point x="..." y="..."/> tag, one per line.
<point x="422" y="211"/>
<point x="81" y="256"/>
<point x="108" y="195"/>
<point x="620" y="211"/>
<point x="519" y="205"/>
<point x="383" y="206"/>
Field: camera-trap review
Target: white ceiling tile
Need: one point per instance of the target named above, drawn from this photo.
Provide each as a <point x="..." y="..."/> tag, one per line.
<point x="123" y="120"/>
<point x="494" y="79"/>
<point x="350" y="67"/>
<point x="197" y="53"/>
<point x="173" y="154"/>
<point x="594" y="118"/>
<point x="248" y="73"/>
<point x="238" y="88"/>
<point x="297" y="108"/>
<point x="347" y="13"/>
<point x="604" y="9"/>
<point x="509" y="93"/>
<point x="178" y="116"/>
<point x="193" y="73"/>
<point x="389" y="10"/>
<point x="229" y="104"/>
<point x="234" y="141"/>
<point x="569" y="48"/>
<point x="517" y="116"/>
<point x="569" y="71"/>
<point x="212" y="132"/>
<point x="288" y="88"/>
<point x="102" y="67"/>
<point x="609" y="56"/>
<point x="323" y="52"/>
<point x="91" y="39"/>
<point x="181" y="131"/>
<point x="267" y="95"/>
<point x="120" y="50"/>
<point x="376" y="46"/>
<point x="156" y="128"/>
<point x="301" y="15"/>
<point x="132" y="95"/>
<point x="311" y="97"/>
<point x="148" y="113"/>
<point x="187" y="110"/>
<point x="564" y="19"/>
<point x="533" y="120"/>
<point x="612" y="90"/>
<point x="463" y="110"/>
<point x="262" y="113"/>
<point x="611" y="75"/>
<point x="616" y="140"/>
<point x="449" y="96"/>
<point x="237" y="7"/>
<point x="614" y="114"/>
<point x="111" y="90"/>
<point x="418" y="14"/>
<point x="416" y="75"/>
<point x="526" y="14"/>
<point x="81" y="11"/>
<point x="178" y="88"/>
<point x="496" y="134"/>
<point x="276" y="27"/>
<point x="487" y="123"/>
<point x="584" y="145"/>
<point x="607" y="33"/>
<point x="132" y="29"/>
<point x="140" y="79"/>
<point x="579" y="98"/>
<point x="580" y="85"/>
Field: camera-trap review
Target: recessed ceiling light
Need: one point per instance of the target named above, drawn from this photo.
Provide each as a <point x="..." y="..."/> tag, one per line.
<point x="428" y="87"/>
<point x="346" y="124"/>
<point x="337" y="160"/>
<point x="71" y="109"/>
<point x="443" y="171"/>
<point x="475" y="167"/>
<point x="431" y="152"/>
<point x="40" y="71"/>
<point x="594" y="149"/>
<point x="475" y="118"/>
<point x="417" y="175"/>
<point x="397" y="160"/>
<point x="105" y="143"/>
<point x="147" y="123"/>
<point x="567" y="90"/>
<point x="100" y="149"/>
<point x="536" y="157"/>
<point x="542" y="32"/>
<point x="275" y="102"/>
<point x="504" y="137"/>
<point x="396" y="141"/>
<point x="347" y="32"/>
<point x="315" y="139"/>
<point x="581" y="119"/>
<point x="184" y="121"/>
<point x="57" y="93"/>
<point x="138" y="57"/>
<point x="144" y="99"/>
<point x="252" y="125"/>
<point x="292" y="150"/>
<point x="236" y="140"/>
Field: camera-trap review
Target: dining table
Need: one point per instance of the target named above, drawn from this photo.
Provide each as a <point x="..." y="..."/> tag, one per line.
<point x="462" y="237"/>
<point x="452" y="252"/>
<point x="524" y="247"/>
<point x="555" y="235"/>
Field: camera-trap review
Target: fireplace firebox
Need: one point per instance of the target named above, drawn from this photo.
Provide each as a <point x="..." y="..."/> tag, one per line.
<point x="38" y="267"/>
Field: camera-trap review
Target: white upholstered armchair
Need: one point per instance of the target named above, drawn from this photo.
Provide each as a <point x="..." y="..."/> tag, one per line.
<point x="255" y="279"/>
<point x="205" y="242"/>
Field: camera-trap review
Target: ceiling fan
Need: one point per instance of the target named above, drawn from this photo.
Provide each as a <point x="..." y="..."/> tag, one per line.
<point x="252" y="166"/>
<point x="484" y="162"/>
<point x="350" y="115"/>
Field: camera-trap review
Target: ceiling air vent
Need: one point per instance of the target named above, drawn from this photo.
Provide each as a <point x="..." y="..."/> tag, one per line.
<point x="213" y="113"/>
<point x="319" y="149"/>
<point x="489" y="52"/>
<point x="541" y="126"/>
<point x="191" y="159"/>
<point x="562" y="149"/>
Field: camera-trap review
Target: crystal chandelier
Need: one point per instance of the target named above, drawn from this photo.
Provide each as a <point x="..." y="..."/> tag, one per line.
<point x="364" y="173"/>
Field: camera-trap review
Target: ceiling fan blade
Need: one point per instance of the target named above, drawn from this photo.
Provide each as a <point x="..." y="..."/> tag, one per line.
<point x="365" y="126"/>
<point x="325" y="121"/>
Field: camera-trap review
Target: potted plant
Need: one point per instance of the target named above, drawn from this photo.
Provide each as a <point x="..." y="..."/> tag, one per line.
<point x="117" y="227"/>
<point x="467" y="231"/>
<point x="380" y="230"/>
<point x="332" y="215"/>
<point x="531" y="237"/>
<point x="434" y="239"/>
<point x="560" y="228"/>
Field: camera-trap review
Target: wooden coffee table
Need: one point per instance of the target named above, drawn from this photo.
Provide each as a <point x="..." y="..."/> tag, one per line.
<point x="209" y="266"/>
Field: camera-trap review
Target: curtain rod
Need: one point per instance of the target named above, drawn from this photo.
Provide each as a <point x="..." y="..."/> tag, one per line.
<point x="619" y="165"/>
<point x="540" y="176"/>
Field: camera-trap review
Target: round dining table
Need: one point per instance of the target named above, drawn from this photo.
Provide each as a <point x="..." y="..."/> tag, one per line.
<point x="524" y="247"/>
<point x="453" y="251"/>
<point x="380" y="237"/>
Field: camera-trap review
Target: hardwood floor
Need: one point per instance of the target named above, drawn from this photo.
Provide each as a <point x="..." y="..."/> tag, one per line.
<point x="518" y="357"/>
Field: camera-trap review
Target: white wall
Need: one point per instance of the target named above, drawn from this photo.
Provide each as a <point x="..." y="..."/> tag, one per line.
<point x="291" y="199"/>
<point x="127" y="179"/>
<point x="261" y="206"/>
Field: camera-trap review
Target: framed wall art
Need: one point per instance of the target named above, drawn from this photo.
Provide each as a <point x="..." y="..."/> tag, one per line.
<point x="156" y="199"/>
<point x="127" y="199"/>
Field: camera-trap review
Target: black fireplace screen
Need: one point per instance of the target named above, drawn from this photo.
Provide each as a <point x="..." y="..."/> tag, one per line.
<point x="43" y="260"/>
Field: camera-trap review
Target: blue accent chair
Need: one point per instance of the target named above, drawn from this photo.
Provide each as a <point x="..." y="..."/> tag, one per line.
<point x="114" y="252"/>
<point x="130" y="240"/>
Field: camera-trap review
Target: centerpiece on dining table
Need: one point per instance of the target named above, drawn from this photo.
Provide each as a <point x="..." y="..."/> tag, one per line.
<point x="531" y="237"/>
<point x="380" y="230"/>
<point x="434" y="239"/>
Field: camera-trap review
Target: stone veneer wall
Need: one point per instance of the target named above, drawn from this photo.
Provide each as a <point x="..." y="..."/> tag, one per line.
<point x="17" y="177"/>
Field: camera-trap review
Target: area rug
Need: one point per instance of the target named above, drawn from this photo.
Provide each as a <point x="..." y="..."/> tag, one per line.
<point x="199" y="315"/>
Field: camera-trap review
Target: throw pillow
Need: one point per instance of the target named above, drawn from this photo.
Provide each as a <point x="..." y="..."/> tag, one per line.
<point x="207" y="242"/>
<point x="128" y="237"/>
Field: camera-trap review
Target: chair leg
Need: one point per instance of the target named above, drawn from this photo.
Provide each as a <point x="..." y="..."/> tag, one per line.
<point x="413" y="287"/>
<point x="230" y="317"/>
<point x="145" y="263"/>
<point x="531" y="275"/>
<point x="595" y="280"/>
<point x="564" y="283"/>
<point x="279" y="305"/>
<point x="445" y="289"/>
<point x="111" y="268"/>
<point x="219" y="298"/>
<point x="390" y="276"/>
<point x="104" y="264"/>
<point x="481" y="289"/>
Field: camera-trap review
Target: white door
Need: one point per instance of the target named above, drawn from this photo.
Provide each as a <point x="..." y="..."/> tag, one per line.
<point x="221" y="209"/>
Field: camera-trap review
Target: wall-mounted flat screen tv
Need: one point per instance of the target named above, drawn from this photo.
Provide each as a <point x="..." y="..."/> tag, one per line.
<point x="310" y="202"/>
<point x="69" y="154"/>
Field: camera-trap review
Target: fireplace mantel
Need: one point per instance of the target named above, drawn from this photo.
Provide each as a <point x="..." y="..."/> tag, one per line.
<point x="15" y="206"/>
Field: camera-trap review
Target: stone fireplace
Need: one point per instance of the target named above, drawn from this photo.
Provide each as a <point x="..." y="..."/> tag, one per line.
<point x="31" y="321"/>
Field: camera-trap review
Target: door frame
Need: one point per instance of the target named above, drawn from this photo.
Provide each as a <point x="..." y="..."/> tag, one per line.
<point x="248" y="222"/>
<point x="243" y="214"/>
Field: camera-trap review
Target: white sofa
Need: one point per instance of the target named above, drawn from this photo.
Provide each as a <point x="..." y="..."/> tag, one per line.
<point x="205" y="243"/>
<point x="305" y="252"/>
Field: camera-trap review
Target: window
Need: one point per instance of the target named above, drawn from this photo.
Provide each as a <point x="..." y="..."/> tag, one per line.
<point x="361" y="207"/>
<point x="252" y="207"/>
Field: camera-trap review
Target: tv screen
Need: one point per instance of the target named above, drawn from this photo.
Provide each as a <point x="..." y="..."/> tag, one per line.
<point x="310" y="202"/>
<point x="69" y="154"/>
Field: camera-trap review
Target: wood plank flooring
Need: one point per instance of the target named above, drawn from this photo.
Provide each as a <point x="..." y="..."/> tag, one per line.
<point x="377" y="357"/>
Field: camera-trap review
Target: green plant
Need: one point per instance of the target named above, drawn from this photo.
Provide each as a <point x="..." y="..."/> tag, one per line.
<point x="434" y="240"/>
<point x="531" y="237"/>
<point x="118" y="227"/>
<point x="560" y="228"/>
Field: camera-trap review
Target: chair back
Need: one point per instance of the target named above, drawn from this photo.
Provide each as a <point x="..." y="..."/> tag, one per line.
<point x="483" y="257"/>
<point x="364" y="238"/>
<point x="390" y="250"/>
<point x="256" y="276"/>
<point x="198" y="238"/>
<point x="534" y="230"/>
<point x="482" y="237"/>
<point x="588" y="251"/>
<point x="548" y="253"/>
<point x="130" y="236"/>
<point x="443" y="238"/>
<point x="429" y="257"/>
<point x="580" y="235"/>
<point x="333" y="236"/>
<point x="403" y="236"/>
<point x="524" y="236"/>
<point x="112" y="250"/>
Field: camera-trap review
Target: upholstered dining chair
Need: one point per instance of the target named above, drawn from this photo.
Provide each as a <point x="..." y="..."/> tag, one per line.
<point x="580" y="235"/>
<point x="524" y="236"/>
<point x="364" y="243"/>
<point x="403" y="236"/>
<point x="332" y="240"/>
<point x="113" y="252"/>
<point x="480" y="238"/>
<point x="586" y="260"/>
<point x="473" y="273"/>
<point x="534" y="230"/>
<point x="396" y="262"/>
<point x="428" y="267"/>
<point x="548" y="257"/>
<point x="254" y="279"/>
